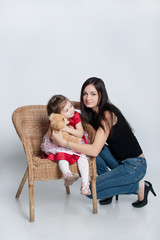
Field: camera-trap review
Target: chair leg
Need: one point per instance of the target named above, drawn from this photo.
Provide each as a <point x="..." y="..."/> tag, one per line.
<point x="31" y="201"/>
<point x="94" y="194"/>
<point x="22" y="183"/>
<point x="67" y="190"/>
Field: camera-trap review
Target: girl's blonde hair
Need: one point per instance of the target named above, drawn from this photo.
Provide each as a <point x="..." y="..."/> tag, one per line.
<point x="56" y="104"/>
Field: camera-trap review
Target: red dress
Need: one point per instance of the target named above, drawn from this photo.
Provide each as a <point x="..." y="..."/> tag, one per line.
<point x="56" y="153"/>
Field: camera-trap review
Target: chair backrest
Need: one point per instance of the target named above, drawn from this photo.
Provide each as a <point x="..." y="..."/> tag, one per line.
<point x="31" y="122"/>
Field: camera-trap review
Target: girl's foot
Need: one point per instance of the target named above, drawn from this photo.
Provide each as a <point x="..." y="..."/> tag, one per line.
<point x="85" y="190"/>
<point x="70" y="178"/>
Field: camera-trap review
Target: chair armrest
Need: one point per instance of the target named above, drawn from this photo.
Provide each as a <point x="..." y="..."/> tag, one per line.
<point x="29" y="155"/>
<point x="17" y="122"/>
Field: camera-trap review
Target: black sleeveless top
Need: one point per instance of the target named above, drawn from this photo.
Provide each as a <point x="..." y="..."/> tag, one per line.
<point x="121" y="140"/>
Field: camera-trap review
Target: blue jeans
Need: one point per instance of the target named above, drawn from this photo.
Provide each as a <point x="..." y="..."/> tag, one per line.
<point x="104" y="160"/>
<point x="123" y="176"/>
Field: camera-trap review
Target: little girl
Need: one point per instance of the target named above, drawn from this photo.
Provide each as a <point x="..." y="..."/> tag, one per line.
<point x="65" y="156"/>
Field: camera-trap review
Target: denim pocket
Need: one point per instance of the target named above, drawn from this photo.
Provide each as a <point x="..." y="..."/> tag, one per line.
<point x="135" y="166"/>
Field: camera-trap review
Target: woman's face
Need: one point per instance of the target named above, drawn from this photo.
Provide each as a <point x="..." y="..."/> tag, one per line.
<point x="91" y="97"/>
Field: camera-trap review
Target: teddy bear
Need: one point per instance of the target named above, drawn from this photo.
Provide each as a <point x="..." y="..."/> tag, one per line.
<point x="58" y="122"/>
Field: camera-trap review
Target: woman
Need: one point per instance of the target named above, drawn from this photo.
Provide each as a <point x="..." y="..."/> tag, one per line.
<point x="122" y="153"/>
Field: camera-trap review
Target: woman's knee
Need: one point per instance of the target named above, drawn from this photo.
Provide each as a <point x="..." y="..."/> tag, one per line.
<point x="101" y="165"/>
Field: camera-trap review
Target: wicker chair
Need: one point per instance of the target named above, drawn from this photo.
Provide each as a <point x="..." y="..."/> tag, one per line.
<point x="31" y="123"/>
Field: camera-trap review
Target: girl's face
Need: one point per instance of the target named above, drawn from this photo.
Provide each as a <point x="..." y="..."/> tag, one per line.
<point x="68" y="110"/>
<point x="91" y="97"/>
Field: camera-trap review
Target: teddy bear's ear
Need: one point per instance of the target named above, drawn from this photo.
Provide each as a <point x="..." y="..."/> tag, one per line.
<point x="51" y="116"/>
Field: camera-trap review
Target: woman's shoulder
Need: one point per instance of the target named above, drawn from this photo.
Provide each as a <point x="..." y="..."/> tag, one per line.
<point x="111" y="116"/>
<point x="114" y="110"/>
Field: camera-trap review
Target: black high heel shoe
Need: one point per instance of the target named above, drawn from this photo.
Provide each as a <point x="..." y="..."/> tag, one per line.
<point x="107" y="200"/>
<point x="148" y="187"/>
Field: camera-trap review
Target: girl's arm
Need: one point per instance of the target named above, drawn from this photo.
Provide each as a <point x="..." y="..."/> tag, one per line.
<point x="77" y="132"/>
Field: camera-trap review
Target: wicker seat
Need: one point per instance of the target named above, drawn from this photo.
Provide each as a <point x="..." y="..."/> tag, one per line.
<point x="31" y="123"/>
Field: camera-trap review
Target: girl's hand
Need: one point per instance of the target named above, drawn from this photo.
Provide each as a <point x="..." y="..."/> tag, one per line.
<point x="66" y="129"/>
<point x="57" y="139"/>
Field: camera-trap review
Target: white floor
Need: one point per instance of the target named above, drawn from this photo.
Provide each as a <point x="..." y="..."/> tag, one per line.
<point x="59" y="216"/>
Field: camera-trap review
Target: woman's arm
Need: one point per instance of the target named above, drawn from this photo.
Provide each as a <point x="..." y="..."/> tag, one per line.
<point x="88" y="149"/>
<point x="77" y="132"/>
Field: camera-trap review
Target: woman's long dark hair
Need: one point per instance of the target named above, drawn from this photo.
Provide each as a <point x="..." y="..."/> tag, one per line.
<point x="104" y="105"/>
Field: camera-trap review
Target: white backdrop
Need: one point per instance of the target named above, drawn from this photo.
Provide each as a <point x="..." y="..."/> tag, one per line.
<point x="52" y="46"/>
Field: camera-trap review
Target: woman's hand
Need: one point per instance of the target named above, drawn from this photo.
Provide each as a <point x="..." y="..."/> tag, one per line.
<point x="57" y="139"/>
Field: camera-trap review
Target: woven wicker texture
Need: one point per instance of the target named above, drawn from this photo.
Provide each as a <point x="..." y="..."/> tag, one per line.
<point x="31" y="123"/>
